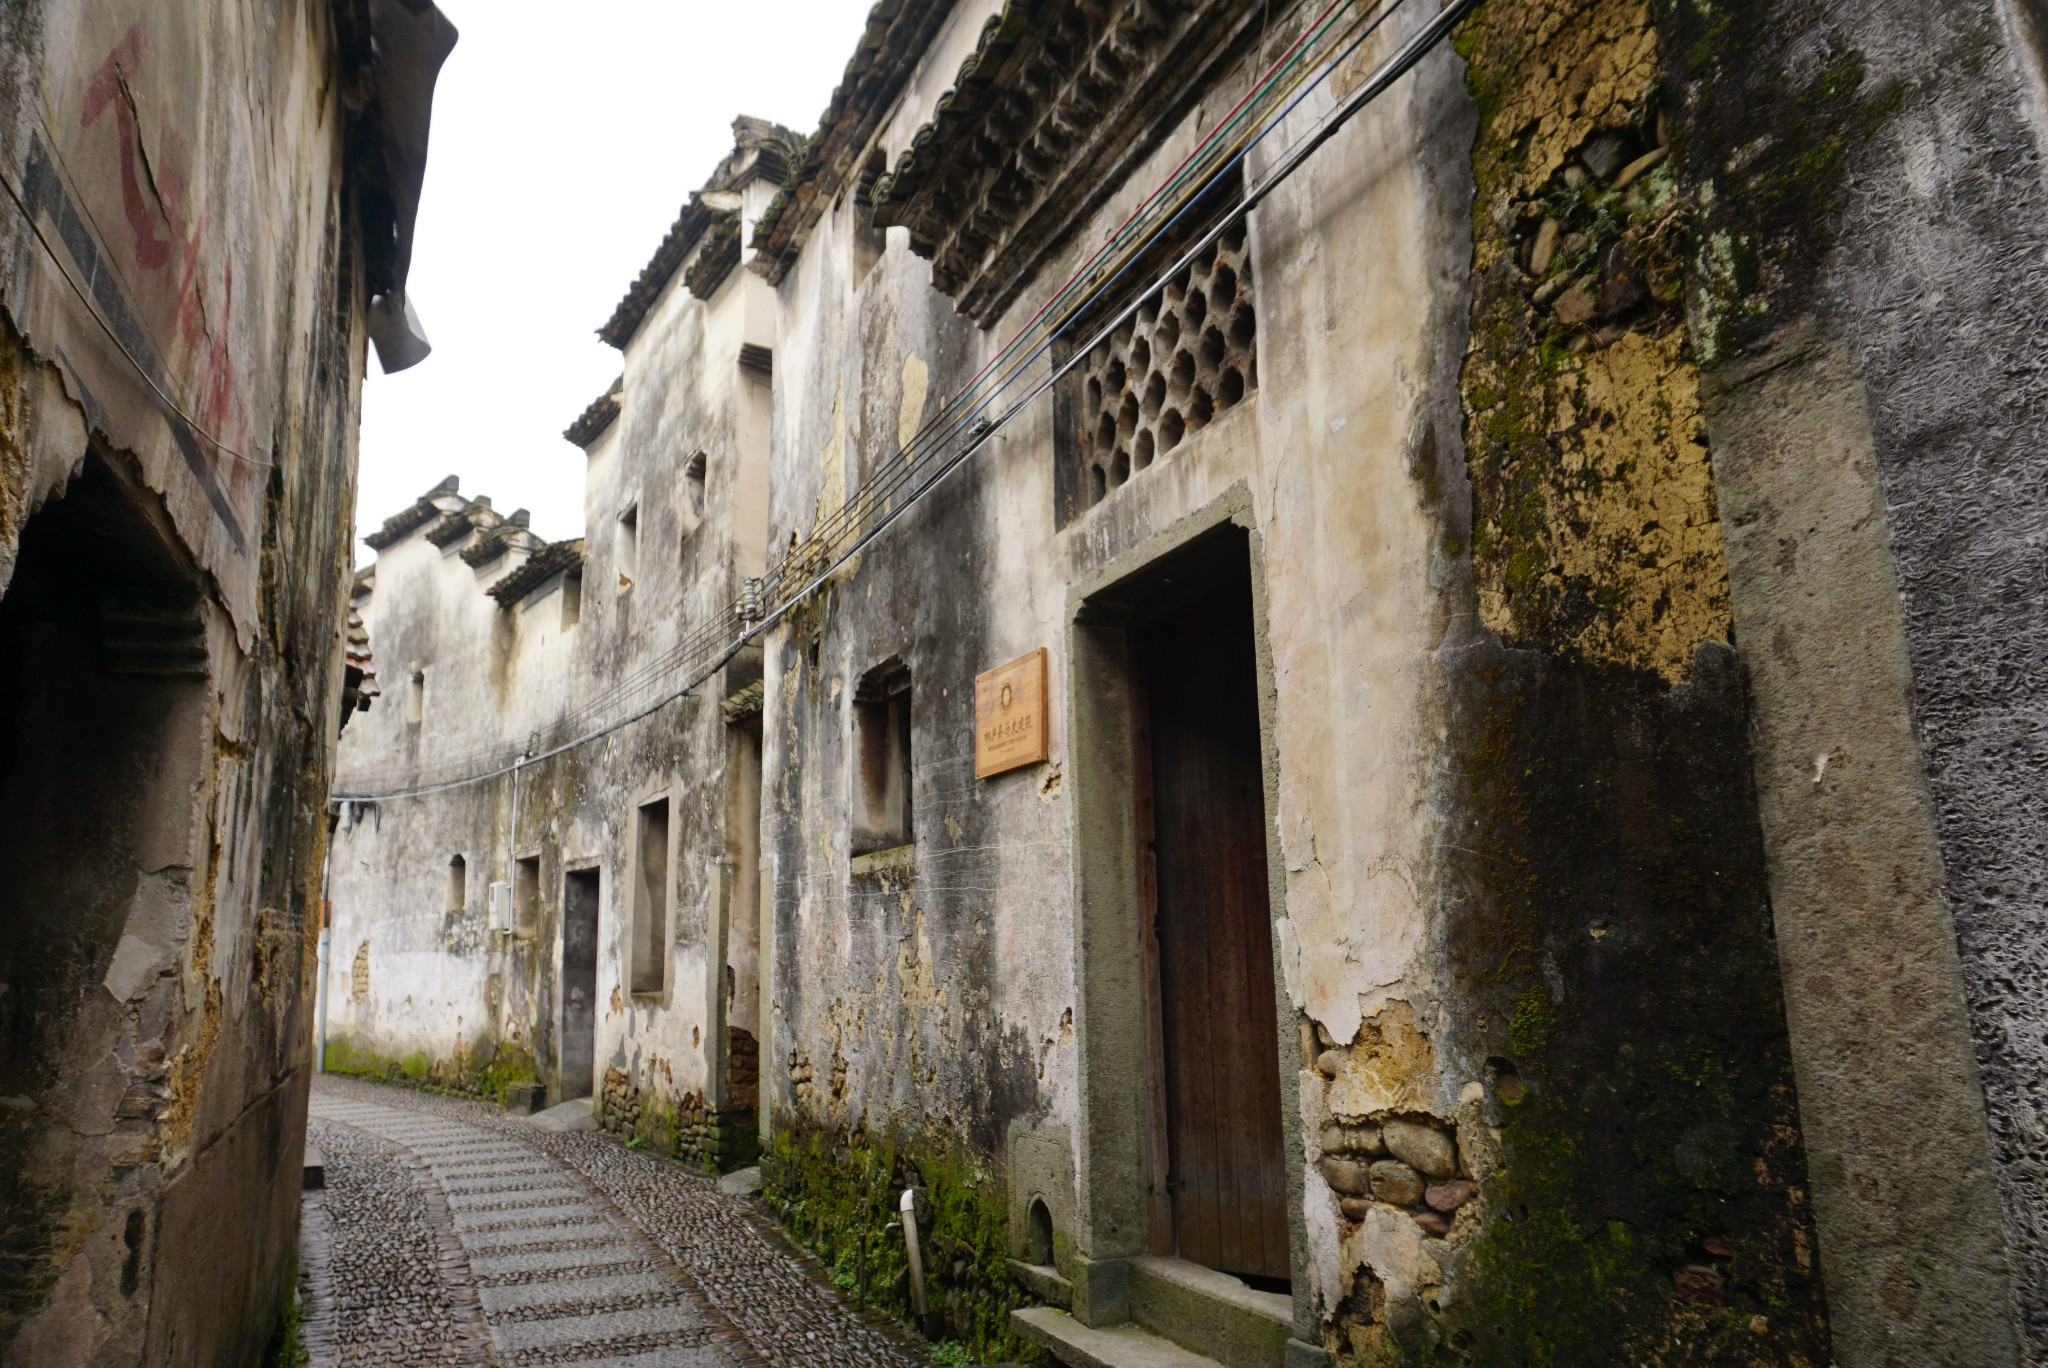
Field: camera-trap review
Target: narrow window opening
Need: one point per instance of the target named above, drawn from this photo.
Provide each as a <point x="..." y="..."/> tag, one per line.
<point x="693" y="492"/>
<point x="458" y="885"/>
<point x="572" y="600"/>
<point x="416" y="696"/>
<point x="650" y="899"/>
<point x="526" y="896"/>
<point x="881" y="727"/>
<point x="627" y="551"/>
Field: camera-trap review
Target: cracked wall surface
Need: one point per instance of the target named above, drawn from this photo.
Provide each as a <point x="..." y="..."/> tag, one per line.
<point x="171" y="598"/>
<point x="1542" y="780"/>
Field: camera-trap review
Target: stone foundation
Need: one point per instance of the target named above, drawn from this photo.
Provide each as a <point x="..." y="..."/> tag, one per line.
<point x="715" y="1139"/>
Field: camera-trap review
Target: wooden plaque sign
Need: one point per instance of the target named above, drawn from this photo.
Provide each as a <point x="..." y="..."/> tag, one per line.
<point x="1009" y="715"/>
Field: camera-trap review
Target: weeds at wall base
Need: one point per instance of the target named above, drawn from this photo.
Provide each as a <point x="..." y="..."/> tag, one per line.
<point x="837" y="1193"/>
<point x="507" y="1065"/>
<point x="287" y="1342"/>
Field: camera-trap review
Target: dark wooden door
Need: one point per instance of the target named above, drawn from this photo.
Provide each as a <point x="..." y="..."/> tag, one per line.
<point x="579" y="982"/>
<point x="1227" y="1174"/>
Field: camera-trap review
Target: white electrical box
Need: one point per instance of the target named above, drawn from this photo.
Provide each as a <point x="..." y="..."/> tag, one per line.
<point x="501" y="905"/>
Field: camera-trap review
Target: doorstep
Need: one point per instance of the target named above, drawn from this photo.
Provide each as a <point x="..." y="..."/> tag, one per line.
<point x="1110" y="1346"/>
<point x="1211" y="1313"/>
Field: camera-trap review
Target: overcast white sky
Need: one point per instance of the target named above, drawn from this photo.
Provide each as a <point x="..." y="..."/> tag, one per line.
<point x="565" y="139"/>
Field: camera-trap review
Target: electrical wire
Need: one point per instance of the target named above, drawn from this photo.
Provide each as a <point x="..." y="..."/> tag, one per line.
<point x="974" y="428"/>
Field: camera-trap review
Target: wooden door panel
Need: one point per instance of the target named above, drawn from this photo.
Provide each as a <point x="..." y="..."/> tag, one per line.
<point x="1214" y="931"/>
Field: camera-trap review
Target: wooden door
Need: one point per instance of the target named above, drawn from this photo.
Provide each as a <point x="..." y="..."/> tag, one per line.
<point x="579" y="982"/>
<point x="1227" y="1174"/>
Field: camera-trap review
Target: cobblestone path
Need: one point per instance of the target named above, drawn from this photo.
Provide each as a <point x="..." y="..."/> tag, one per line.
<point x="452" y="1233"/>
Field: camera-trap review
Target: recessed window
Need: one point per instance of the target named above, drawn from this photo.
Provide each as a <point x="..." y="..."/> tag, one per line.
<point x="526" y="896"/>
<point x="650" y="898"/>
<point x="572" y="599"/>
<point x="693" y="484"/>
<point x="458" y="885"/>
<point x="416" y="696"/>
<point x="881" y="755"/>
<point x="626" y="551"/>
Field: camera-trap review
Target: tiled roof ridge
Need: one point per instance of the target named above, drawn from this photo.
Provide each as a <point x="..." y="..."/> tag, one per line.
<point x="539" y="568"/>
<point x="896" y="36"/>
<point x="495" y="541"/>
<point x="1073" y="100"/>
<point x="415" y="515"/>
<point x="602" y="412"/>
<point x="772" y="147"/>
<point x="721" y="252"/>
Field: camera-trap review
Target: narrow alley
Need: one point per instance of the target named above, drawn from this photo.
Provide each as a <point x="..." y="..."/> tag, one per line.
<point x="1198" y="684"/>
<point x="450" y="1232"/>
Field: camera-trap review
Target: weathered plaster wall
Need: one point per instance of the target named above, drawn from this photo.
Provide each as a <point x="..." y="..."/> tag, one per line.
<point x="1869" y="188"/>
<point x="163" y="821"/>
<point x="1572" y="797"/>
<point x="445" y="995"/>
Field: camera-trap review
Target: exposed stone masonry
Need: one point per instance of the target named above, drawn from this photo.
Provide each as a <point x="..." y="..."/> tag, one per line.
<point x="705" y="1137"/>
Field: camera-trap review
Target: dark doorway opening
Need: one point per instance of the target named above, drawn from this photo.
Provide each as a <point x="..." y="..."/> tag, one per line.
<point x="1201" y="830"/>
<point x="743" y="925"/>
<point x="579" y="982"/>
<point x="104" y="747"/>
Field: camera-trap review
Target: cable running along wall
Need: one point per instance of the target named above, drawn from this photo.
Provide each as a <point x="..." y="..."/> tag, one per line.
<point x="1021" y="372"/>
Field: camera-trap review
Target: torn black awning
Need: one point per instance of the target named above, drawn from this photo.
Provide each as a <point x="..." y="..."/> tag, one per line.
<point x="401" y="44"/>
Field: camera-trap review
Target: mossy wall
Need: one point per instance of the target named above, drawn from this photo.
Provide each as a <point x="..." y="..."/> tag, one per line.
<point x="1594" y="526"/>
<point x="837" y="1192"/>
<point x="1607" y="928"/>
<point x="483" y="1072"/>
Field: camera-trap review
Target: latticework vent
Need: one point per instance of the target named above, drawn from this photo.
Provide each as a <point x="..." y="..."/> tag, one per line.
<point x="1187" y="356"/>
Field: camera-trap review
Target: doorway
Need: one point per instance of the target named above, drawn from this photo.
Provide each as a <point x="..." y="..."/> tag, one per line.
<point x="1201" y="829"/>
<point x="579" y="982"/>
<point x="743" y="924"/>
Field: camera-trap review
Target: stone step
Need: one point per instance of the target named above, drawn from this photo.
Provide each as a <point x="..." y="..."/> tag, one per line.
<point x="1210" y="1312"/>
<point x="1110" y="1346"/>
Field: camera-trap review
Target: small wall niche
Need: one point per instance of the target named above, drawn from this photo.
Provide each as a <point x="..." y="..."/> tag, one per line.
<point x="526" y="896"/>
<point x="458" y="885"/>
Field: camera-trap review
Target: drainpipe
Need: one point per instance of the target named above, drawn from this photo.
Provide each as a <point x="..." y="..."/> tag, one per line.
<point x="915" y="1252"/>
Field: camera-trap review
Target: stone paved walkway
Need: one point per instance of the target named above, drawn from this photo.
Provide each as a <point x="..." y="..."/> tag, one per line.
<point x="453" y="1233"/>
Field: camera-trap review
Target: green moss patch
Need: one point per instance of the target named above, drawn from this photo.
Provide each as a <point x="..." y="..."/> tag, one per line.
<point x="837" y="1193"/>
<point x="483" y="1073"/>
